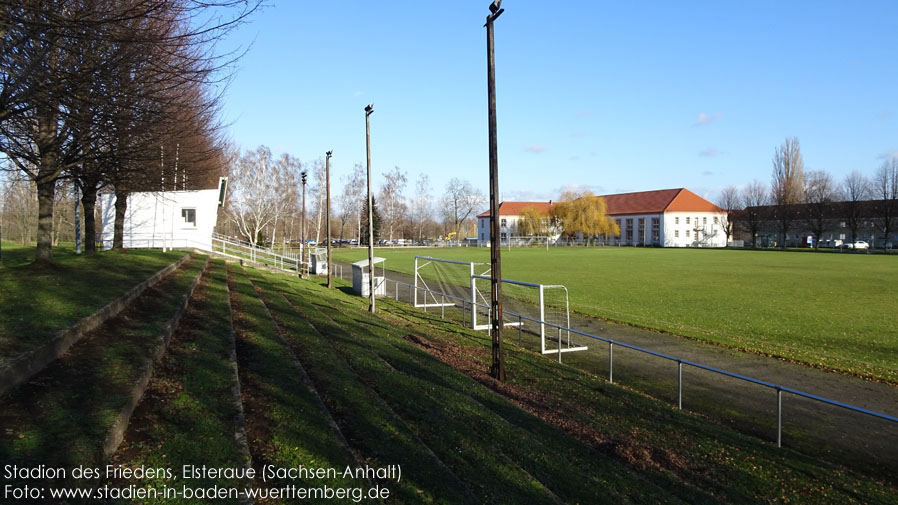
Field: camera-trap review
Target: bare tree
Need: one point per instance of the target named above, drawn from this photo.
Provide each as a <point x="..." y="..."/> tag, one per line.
<point x="754" y="199"/>
<point x="391" y="199"/>
<point x="460" y="201"/>
<point x="421" y="211"/>
<point x="819" y="195"/>
<point x="283" y="197"/>
<point x="885" y="191"/>
<point x="351" y="199"/>
<point x="729" y="201"/>
<point x="855" y="189"/>
<point x="68" y="67"/>
<point x="252" y="200"/>
<point x="318" y="194"/>
<point x="19" y="209"/>
<point x="787" y="186"/>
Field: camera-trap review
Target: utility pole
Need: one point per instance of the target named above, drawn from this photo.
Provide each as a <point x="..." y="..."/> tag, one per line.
<point x="368" y="111"/>
<point x="327" y="214"/>
<point x="302" y="228"/>
<point x="497" y="369"/>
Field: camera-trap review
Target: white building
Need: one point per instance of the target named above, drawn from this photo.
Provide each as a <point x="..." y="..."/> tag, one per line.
<point x="181" y="219"/>
<point x="665" y="218"/>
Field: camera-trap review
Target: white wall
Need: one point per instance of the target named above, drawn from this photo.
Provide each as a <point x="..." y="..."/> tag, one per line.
<point x="677" y="233"/>
<point x="155" y="218"/>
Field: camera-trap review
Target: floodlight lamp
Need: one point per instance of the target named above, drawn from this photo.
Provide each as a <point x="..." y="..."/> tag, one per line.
<point x="494" y="7"/>
<point x="330" y="153"/>
<point x="370" y="108"/>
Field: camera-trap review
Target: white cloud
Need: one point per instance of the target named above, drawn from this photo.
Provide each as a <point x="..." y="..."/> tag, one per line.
<point x="709" y="152"/>
<point x="707" y="173"/>
<point x="536" y="148"/>
<point x="889" y="155"/>
<point x="704" y="119"/>
<point x="598" y="190"/>
<point x="528" y="195"/>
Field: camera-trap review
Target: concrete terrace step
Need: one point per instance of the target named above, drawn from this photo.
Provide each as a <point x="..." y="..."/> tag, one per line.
<point x="75" y="411"/>
<point x="24" y="366"/>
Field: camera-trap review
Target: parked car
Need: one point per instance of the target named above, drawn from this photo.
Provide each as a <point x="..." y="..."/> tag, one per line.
<point x="860" y="244"/>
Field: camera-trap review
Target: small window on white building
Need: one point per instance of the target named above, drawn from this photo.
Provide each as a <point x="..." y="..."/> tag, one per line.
<point x="677" y="220"/>
<point x="676" y="233"/>
<point x="704" y="220"/>
<point x="189" y="217"/>
<point x="502" y="222"/>
<point x="716" y="221"/>
<point x="687" y="219"/>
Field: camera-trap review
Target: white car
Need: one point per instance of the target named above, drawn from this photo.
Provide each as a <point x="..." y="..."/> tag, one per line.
<point x="860" y="244"/>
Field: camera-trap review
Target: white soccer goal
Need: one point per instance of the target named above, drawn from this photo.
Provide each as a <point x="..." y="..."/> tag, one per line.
<point x="436" y="275"/>
<point x="547" y="303"/>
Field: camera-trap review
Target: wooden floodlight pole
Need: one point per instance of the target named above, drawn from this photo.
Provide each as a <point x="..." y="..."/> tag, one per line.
<point x="302" y="228"/>
<point x="497" y="369"/>
<point x="368" y="110"/>
<point x="327" y="214"/>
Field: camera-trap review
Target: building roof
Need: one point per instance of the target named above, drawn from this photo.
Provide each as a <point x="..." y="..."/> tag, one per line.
<point x="641" y="202"/>
<point x="656" y="202"/>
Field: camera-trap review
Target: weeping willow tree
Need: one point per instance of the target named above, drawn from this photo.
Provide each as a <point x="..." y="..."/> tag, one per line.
<point x="533" y="222"/>
<point x="584" y="213"/>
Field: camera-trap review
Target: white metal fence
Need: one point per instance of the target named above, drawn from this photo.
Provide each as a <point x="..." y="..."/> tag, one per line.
<point x="245" y="251"/>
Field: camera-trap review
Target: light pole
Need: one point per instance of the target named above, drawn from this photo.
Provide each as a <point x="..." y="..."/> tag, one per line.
<point x="368" y="111"/>
<point x="497" y="369"/>
<point x="327" y="214"/>
<point x="302" y="228"/>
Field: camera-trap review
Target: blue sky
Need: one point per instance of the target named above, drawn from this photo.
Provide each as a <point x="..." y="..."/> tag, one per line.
<point x="608" y="96"/>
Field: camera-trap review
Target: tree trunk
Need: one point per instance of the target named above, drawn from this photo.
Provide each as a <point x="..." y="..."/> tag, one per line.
<point x="46" y="190"/>
<point x="121" y="206"/>
<point x="89" y="200"/>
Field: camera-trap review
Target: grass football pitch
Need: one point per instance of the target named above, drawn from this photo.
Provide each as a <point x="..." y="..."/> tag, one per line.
<point x="831" y="310"/>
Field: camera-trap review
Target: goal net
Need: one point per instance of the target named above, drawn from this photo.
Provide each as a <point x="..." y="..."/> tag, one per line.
<point x="436" y="276"/>
<point x="547" y="305"/>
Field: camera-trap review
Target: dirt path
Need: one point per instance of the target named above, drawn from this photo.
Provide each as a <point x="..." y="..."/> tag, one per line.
<point x="809" y="426"/>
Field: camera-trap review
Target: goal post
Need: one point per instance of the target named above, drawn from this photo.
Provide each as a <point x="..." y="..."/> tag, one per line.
<point x="444" y="276"/>
<point x="548" y="304"/>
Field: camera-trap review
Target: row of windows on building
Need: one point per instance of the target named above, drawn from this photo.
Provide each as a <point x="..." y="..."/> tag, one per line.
<point x="704" y="220"/>
<point x="627" y="230"/>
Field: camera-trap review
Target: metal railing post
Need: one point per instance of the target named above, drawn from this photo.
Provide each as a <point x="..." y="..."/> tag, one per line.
<point x="680" y="384"/>
<point x="779" y="417"/>
<point x="611" y="362"/>
<point x="520" y="325"/>
<point x="442" y="306"/>
<point x="559" y="345"/>
<point x="464" y="312"/>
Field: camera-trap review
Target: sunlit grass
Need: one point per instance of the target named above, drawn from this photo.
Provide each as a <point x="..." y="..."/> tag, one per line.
<point x="35" y="303"/>
<point x="831" y="310"/>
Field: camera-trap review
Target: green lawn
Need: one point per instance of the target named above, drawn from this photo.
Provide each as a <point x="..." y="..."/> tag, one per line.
<point x="35" y="303"/>
<point x="633" y="448"/>
<point x="831" y="310"/>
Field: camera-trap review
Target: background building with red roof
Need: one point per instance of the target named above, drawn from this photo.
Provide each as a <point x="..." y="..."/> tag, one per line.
<point x="664" y="218"/>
